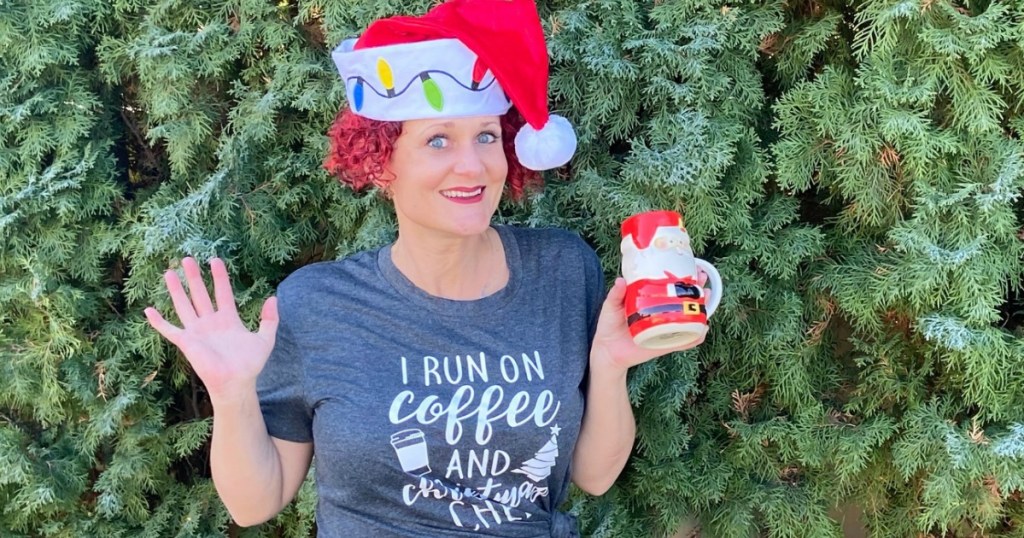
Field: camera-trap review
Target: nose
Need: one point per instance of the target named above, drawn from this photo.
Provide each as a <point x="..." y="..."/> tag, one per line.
<point x="469" y="161"/>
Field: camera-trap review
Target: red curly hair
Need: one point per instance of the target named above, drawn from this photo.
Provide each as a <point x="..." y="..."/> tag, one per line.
<point x="360" y="148"/>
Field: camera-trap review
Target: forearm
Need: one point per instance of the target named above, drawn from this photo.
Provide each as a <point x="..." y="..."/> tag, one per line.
<point x="608" y="430"/>
<point x="244" y="462"/>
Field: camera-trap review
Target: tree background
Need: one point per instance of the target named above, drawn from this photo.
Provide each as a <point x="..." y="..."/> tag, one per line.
<point x="854" y="169"/>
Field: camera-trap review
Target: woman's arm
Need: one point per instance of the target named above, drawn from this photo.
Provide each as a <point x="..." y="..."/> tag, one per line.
<point x="255" y="474"/>
<point x="609" y="429"/>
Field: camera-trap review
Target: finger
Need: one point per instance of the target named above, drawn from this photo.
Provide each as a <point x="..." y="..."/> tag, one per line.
<point x="702" y="277"/>
<point x="162" y="326"/>
<point x="269" y="320"/>
<point x="197" y="288"/>
<point x="617" y="293"/>
<point x="616" y="296"/>
<point x="182" y="306"/>
<point x="222" y="286"/>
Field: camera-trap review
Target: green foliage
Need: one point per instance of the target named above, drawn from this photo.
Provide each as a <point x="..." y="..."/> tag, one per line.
<point x="854" y="170"/>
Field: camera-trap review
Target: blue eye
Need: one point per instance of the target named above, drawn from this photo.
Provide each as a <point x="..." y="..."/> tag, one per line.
<point x="486" y="138"/>
<point x="438" y="142"/>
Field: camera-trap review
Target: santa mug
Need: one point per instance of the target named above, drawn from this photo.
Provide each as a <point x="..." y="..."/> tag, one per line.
<point x="666" y="307"/>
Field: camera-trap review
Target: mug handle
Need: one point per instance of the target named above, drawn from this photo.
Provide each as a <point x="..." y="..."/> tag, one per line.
<point x="715" y="280"/>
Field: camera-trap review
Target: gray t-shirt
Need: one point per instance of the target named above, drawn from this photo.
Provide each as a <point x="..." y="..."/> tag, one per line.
<point x="435" y="417"/>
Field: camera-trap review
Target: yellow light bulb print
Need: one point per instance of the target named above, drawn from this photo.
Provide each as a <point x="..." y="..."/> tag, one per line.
<point x="386" y="76"/>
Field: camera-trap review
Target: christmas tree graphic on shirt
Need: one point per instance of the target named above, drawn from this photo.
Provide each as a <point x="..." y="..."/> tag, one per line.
<point x="539" y="466"/>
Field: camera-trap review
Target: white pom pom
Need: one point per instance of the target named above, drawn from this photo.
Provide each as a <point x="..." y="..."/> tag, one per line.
<point x="548" y="148"/>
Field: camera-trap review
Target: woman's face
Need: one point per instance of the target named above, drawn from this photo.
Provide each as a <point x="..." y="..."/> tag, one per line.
<point x="448" y="174"/>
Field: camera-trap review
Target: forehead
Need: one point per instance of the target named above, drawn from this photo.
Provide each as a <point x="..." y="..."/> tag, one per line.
<point x="469" y="122"/>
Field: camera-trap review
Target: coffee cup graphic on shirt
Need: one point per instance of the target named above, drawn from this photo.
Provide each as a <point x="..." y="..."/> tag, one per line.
<point x="411" y="448"/>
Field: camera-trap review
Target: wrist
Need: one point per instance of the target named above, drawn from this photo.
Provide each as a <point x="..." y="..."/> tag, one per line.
<point x="233" y="396"/>
<point x="604" y="364"/>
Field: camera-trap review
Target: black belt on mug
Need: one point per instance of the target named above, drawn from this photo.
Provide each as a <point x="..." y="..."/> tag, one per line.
<point x="661" y="309"/>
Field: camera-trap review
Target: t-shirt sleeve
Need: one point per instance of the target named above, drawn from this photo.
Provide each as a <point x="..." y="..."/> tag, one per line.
<point x="595" y="294"/>
<point x="280" y="385"/>
<point x="594" y="277"/>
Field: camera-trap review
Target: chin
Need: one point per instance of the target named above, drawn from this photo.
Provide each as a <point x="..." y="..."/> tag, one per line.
<point x="470" y="223"/>
<point x="470" y="228"/>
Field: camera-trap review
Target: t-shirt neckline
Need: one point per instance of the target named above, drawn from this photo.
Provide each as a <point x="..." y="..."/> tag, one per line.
<point x="490" y="303"/>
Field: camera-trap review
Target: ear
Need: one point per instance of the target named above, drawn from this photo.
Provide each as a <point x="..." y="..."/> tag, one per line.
<point x="661" y="243"/>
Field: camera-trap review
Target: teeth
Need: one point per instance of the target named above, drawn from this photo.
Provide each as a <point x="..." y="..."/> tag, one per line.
<point x="460" y="194"/>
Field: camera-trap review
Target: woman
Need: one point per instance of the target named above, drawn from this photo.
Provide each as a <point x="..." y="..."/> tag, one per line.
<point x="440" y="380"/>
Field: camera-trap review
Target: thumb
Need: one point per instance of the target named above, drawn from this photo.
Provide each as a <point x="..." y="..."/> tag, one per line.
<point x="268" y="320"/>
<point x="613" y="302"/>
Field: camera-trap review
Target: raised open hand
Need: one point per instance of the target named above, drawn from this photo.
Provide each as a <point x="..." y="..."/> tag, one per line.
<point x="225" y="355"/>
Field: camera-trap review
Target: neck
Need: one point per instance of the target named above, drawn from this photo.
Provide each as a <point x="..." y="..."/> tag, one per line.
<point x="461" y="268"/>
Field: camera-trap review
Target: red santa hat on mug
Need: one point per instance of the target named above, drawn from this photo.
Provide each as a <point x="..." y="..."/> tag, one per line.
<point x="644" y="227"/>
<point x="462" y="58"/>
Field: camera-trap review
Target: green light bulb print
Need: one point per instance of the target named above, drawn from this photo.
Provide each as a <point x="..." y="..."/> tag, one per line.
<point x="432" y="92"/>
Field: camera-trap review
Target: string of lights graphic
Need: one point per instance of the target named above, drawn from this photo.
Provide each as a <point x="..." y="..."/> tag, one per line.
<point x="431" y="90"/>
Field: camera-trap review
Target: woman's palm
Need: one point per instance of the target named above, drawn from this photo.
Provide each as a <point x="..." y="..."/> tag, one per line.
<point x="223" y="352"/>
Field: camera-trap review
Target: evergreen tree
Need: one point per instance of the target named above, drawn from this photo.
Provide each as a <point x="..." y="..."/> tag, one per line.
<point x="853" y="170"/>
<point x="906" y="134"/>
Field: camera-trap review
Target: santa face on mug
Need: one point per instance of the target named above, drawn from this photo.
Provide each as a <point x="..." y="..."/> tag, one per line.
<point x="667" y="256"/>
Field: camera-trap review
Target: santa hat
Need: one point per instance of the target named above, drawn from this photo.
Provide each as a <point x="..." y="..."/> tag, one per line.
<point x="642" y="227"/>
<point x="462" y="58"/>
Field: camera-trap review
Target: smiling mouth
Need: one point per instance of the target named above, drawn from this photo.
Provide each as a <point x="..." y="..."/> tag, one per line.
<point x="462" y="194"/>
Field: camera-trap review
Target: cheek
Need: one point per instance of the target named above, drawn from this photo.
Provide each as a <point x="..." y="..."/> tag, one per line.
<point x="497" y="162"/>
<point x="418" y="170"/>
